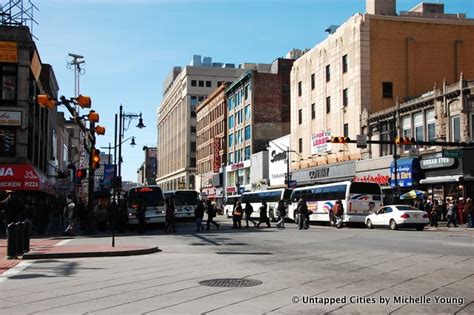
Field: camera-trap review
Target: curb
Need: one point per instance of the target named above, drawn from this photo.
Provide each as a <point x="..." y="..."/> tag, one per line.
<point x="132" y="252"/>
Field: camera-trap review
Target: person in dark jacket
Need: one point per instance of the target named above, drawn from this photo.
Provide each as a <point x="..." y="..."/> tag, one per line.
<point x="282" y="213"/>
<point x="169" y="216"/>
<point x="302" y="210"/>
<point x="248" y="214"/>
<point x="199" y="215"/>
<point x="211" y="213"/>
<point x="263" y="215"/>
<point x="237" y="214"/>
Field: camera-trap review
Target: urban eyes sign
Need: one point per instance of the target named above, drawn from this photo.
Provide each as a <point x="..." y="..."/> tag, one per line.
<point x="438" y="162"/>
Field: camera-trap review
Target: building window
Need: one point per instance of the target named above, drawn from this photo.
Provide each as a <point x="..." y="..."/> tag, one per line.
<point x="313" y="111"/>
<point x="300" y="145"/>
<point x="344" y="64"/>
<point x="247" y="153"/>
<point x="193" y="113"/>
<point x="193" y="162"/>
<point x="328" y="104"/>
<point x="230" y="103"/>
<point x="208" y="84"/>
<point x="7" y="142"/>
<point x="346" y="130"/>
<point x="231" y="158"/>
<point x="193" y="129"/>
<point x="231" y="122"/>
<point x="246" y="92"/>
<point x="418" y="122"/>
<point x="300" y="89"/>
<point x="247" y="133"/>
<point x="313" y="82"/>
<point x="300" y="116"/>
<point x="387" y="89"/>
<point x="385" y="135"/>
<point x="193" y="82"/>
<point x="193" y="146"/>
<point x="247" y="112"/>
<point x="231" y="140"/>
<point x="456" y="128"/>
<point x="328" y="73"/>
<point x="431" y="125"/>
<point x="345" y="97"/>
<point x="194" y="101"/>
<point x="201" y="83"/>
<point x="406" y="126"/>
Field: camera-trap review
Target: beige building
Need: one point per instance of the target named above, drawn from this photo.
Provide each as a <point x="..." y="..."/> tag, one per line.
<point x="184" y="90"/>
<point x="369" y="62"/>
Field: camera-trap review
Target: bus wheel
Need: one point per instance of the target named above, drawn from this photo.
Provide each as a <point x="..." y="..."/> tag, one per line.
<point x="393" y="225"/>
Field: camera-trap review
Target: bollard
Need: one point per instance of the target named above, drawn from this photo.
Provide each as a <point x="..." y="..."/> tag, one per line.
<point x="26" y="239"/>
<point x="12" y="242"/>
<point x="21" y="233"/>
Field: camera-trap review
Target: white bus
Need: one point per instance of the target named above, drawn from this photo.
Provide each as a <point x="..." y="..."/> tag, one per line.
<point x="185" y="201"/>
<point x="358" y="199"/>
<point x="229" y="204"/>
<point x="152" y="198"/>
<point x="271" y="196"/>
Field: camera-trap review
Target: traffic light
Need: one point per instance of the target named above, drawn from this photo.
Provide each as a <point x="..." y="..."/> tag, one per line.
<point x="340" y="139"/>
<point x="84" y="101"/>
<point x="93" y="116"/>
<point x="405" y="140"/>
<point x="95" y="159"/>
<point x="81" y="174"/>
<point x="44" y="101"/>
<point x="100" y="130"/>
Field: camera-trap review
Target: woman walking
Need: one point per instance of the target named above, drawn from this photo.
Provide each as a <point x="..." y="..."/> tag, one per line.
<point x="263" y="215"/>
<point x="282" y="213"/>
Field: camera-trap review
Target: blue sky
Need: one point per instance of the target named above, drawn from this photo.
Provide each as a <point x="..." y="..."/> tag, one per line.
<point x="130" y="46"/>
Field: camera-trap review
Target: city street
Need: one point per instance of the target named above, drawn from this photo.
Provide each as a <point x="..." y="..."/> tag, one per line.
<point x="320" y="270"/>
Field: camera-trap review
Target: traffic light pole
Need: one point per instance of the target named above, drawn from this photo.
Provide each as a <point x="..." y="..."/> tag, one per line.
<point x="90" y="195"/>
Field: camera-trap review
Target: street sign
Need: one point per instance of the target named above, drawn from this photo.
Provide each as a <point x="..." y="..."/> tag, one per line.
<point x="361" y="141"/>
<point x="414" y="152"/>
<point x="292" y="183"/>
<point x="452" y="153"/>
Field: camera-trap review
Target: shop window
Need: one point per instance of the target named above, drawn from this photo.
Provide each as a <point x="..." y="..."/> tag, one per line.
<point x="8" y="76"/>
<point x="7" y="142"/>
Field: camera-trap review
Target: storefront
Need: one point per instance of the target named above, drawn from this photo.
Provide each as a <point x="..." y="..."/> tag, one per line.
<point x="24" y="177"/>
<point x="408" y="174"/>
<point x="445" y="176"/>
<point x="324" y="174"/>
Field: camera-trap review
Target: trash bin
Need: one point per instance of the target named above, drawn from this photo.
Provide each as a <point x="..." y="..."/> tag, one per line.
<point x="12" y="240"/>
<point x="20" y="237"/>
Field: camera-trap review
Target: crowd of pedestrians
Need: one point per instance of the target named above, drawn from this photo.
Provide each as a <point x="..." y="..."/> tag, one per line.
<point x="455" y="211"/>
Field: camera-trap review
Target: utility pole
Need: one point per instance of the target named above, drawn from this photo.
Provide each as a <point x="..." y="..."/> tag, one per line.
<point x="395" y="166"/>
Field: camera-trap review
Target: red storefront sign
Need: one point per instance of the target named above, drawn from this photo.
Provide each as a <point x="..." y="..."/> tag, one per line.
<point x="217" y="156"/>
<point x="378" y="179"/>
<point x="23" y="177"/>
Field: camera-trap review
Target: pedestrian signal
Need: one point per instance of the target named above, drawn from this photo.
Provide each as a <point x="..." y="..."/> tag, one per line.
<point x="81" y="174"/>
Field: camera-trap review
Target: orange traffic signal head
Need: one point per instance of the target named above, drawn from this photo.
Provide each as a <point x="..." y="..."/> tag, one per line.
<point x="44" y="101"/>
<point x="100" y="130"/>
<point x="95" y="159"/>
<point x="405" y="140"/>
<point x="84" y="101"/>
<point x="340" y="139"/>
<point x="93" y="116"/>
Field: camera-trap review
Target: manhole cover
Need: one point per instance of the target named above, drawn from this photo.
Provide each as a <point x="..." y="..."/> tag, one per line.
<point x="231" y="282"/>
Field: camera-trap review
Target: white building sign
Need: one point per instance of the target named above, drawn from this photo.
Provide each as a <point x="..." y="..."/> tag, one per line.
<point x="8" y="118"/>
<point x="319" y="142"/>
<point x="277" y="160"/>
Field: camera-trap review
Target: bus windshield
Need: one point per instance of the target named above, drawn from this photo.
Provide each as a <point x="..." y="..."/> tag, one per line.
<point x="150" y="197"/>
<point x="184" y="198"/>
<point x="365" y="188"/>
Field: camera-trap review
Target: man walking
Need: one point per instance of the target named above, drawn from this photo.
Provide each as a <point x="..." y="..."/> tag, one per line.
<point x="302" y="210"/>
<point x="199" y="215"/>
<point x="282" y="213"/>
<point x="248" y="214"/>
<point x="211" y="213"/>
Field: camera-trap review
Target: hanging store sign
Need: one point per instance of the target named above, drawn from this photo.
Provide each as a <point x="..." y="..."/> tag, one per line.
<point x="8" y="118"/>
<point x="437" y="162"/>
<point x="217" y="155"/>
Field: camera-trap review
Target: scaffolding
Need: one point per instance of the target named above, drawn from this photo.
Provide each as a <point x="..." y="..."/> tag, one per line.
<point x="18" y="13"/>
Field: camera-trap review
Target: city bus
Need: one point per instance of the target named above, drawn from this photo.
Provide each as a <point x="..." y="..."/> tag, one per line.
<point x="358" y="199"/>
<point x="152" y="198"/>
<point x="185" y="201"/>
<point x="271" y="196"/>
<point x="229" y="204"/>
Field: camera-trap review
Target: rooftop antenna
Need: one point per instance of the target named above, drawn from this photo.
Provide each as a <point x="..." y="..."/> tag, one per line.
<point x="76" y="62"/>
<point x="18" y="13"/>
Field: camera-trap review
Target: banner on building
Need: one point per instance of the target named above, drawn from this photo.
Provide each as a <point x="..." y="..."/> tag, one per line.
<point x="217" y="155"/>
<point x="321" y="142"/>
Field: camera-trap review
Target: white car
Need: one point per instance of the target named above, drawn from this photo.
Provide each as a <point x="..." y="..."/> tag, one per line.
<point x="395" y="216"/>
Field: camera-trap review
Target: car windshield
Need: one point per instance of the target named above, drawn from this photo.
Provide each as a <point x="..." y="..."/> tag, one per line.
<point x="407" y="208"/>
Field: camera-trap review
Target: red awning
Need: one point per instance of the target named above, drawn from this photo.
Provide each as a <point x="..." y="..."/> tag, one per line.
<point x="23" y="177"/>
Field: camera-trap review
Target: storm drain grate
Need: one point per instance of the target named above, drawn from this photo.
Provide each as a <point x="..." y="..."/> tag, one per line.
<point x="231" y="282"/>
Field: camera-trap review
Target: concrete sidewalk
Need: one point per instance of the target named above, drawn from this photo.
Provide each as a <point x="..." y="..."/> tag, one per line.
<point x="48" y="248"/>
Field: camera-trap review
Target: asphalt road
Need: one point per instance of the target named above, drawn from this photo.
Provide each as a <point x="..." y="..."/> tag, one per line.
<point x="320" y="270"/>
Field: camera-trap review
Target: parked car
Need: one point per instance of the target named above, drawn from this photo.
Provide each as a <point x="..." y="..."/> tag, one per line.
<point x="395" y="216"/>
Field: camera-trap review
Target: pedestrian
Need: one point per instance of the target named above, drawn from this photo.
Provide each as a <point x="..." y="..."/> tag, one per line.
<point x="237" y="214"/>
<point x="468" y="211"/>
<point x="282" y="214"/>
<point x="70" y="218"/>
<point x="460" y="210"/>
<point x="211" y="213"/>
<point x="263" y="215"/>
<point x="199" y="215"/>
<point x="248" y="214"/>
<point x="112" y="212"/>
<point x="301" y="211"/>
<point x="434" y="214"/>
<point x="450" y="213"/>
<point x="141" y="213"/>
<point x="338" y="210"/>
<point x="169" y="216"/>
